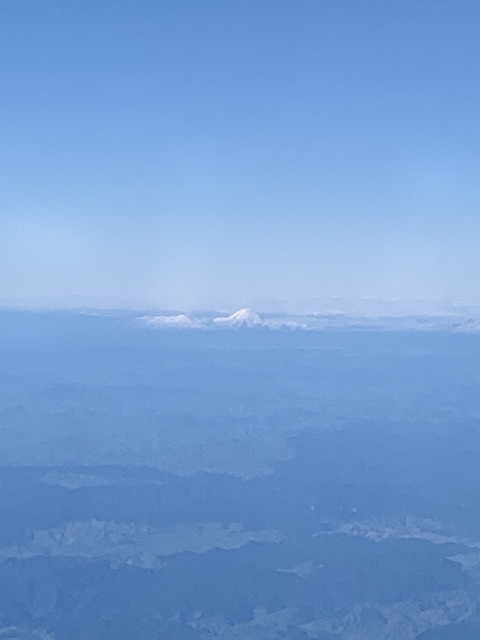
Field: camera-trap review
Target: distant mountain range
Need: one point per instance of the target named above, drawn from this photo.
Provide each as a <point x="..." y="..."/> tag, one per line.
<point x="246" y="318"/>
<point x="241" y="319"/>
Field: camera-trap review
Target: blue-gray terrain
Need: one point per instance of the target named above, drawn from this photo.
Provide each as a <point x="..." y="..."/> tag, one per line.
<point x="236" y="484"/>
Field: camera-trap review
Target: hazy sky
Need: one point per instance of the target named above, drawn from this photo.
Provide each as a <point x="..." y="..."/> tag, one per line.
<point x="179" y="153"/>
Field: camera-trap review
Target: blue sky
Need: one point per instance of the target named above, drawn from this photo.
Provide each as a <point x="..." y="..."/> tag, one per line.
<point x="196" y="153"/>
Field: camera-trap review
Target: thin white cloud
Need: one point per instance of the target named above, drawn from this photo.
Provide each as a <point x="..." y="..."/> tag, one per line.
<point x="181" y="321"/>
<point x="318" y="321"/>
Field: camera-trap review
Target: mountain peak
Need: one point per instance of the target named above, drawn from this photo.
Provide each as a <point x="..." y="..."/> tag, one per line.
<point x="241" y="318"/>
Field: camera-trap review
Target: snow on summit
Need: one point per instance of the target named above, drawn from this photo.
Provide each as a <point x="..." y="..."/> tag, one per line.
<point x="241" y="318"/>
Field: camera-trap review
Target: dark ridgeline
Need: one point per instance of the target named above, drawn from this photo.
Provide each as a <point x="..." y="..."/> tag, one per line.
<point x="349" y="461"/>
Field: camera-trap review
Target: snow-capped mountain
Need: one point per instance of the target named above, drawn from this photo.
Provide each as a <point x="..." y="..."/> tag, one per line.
<point x="241" y="318"/>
